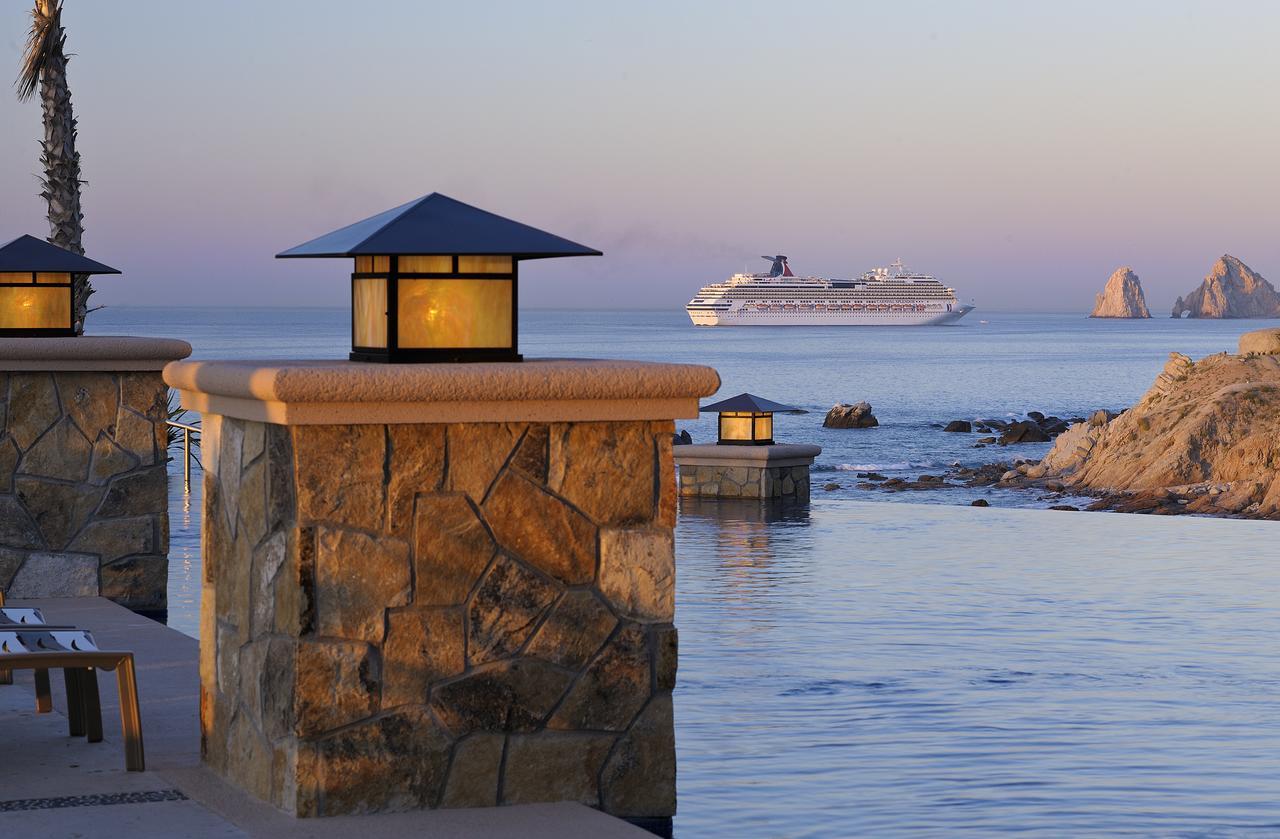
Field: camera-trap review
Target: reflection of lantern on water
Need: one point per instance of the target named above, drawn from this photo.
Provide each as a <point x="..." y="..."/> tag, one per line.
<point x="436" y="280"/>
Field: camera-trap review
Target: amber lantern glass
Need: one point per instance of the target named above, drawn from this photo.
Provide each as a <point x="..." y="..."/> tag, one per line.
<point x="746" y="428"/>
<point x="35" y="303"/>
<point x="462" y="313"/>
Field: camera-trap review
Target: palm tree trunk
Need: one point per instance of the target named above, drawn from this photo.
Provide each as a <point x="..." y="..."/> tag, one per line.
<point x="61" y="184"/>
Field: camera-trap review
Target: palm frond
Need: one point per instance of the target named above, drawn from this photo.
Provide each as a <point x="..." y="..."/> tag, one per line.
<point x="44" y="41"/>
<point x="176" y="413"/>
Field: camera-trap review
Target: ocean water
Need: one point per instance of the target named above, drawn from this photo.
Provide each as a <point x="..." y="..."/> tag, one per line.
<point x="851" y="667"/>
<point x="914" y="377"/>
<point x="868" y="669"/>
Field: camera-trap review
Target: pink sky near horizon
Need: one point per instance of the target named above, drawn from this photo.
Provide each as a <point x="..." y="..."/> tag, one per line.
<point x="1021" y="152"/>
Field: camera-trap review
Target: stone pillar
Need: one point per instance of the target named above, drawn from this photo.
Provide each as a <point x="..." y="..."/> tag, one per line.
<point x="440" y="585"/>
<point x="83" y="484"/>
<point x="778" y="471"/>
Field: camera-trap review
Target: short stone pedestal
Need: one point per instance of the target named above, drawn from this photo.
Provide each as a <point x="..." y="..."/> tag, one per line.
<point x="440" y="585"/>
<point x="777" y="471"/>
<point x="83" y="484"/>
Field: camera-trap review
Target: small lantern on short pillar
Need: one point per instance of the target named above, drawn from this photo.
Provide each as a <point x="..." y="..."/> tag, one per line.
<point x="436" y="280"/>
<point x="36" y="288"/>
<point x="746" y="420"/>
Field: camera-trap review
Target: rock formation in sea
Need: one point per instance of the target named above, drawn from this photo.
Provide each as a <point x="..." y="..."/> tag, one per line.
<point x="844" y="415"/>
<point x="1204" y="439"/>
<point x="1121" y="297"/>
<point x="1231" y="290"/>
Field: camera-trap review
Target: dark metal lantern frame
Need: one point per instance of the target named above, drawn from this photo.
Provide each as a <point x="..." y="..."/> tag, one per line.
<point x="746" y="406"/>
<point x="29" y="256"/>
<point x="393" y="353"/>
<point x="440" y="227"/>
<point x="756" y="418"/>
<point x="60" y="332"/>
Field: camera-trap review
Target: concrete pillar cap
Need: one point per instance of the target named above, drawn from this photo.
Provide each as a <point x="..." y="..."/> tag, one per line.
<point x="535" y="390"/>
<point x="90" y="352"/>
<point x="778" y="454"/>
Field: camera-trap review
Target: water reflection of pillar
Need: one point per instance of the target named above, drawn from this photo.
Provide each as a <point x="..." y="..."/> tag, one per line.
<point x="746" y="538"/>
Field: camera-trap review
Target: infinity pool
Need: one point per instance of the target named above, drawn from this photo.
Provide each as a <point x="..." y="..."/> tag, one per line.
<point x="868" y="669"/>
<point x="861" y="668"/>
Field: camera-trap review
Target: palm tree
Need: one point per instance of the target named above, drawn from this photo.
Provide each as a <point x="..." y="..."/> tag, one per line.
<point x="44" y="65"/>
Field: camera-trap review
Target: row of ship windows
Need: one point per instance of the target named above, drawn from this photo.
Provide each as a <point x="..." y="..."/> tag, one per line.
<point x="829" y="296"/>
<point x="798" y="299"/>
<point x="834" y="311"/>
<point x="829" y="291"/>
<point x="807" y="312"/>
<point x="790" y="308"/>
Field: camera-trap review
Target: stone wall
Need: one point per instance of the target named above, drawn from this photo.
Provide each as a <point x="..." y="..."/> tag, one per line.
<point x="724" y="481"/>
<point x="440" y="615"/>
<point x="83" y="486"/>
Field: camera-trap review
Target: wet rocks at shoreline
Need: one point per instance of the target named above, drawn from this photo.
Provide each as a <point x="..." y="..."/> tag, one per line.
<point x="1026" y="431"/>
<point x="1204" y="439"/>
<point x="846" y="415"/>
<point x="1036" y="428"/>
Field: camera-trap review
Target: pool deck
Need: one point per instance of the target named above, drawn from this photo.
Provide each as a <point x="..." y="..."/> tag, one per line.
<point x="55" y="785"/>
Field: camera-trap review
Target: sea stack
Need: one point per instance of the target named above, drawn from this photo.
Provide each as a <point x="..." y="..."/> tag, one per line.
<point x="1121" y="298"/>
<point x="1231" y="290"/>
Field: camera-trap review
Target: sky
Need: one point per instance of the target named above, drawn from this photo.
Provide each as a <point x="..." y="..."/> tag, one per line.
<point x="1019" y="151"/>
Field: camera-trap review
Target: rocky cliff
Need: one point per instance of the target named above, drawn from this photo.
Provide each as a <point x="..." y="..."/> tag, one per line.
<point x="1231" y="290"/>
<point x="1205" y="438"/>
<point x="1121" y="297"/>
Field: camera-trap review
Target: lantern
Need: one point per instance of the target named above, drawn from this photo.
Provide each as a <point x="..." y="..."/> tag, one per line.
<point x="36" y="288"/>
<point x="746" y="420"/>
<point x="436" y="280"/>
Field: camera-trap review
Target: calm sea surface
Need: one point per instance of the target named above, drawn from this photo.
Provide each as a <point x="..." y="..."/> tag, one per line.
<point x="853" y="668"/>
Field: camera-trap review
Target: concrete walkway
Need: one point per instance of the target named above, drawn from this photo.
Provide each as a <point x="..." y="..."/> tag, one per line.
<point x="54" y="785"/>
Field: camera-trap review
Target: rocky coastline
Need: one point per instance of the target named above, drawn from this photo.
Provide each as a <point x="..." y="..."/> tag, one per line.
<point x="1204" y="439"/>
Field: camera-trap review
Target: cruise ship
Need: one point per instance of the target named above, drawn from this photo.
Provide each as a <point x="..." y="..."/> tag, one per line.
<point x="892" y="296"/>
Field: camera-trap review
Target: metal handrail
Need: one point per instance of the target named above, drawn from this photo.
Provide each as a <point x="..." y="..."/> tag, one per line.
<point x="187" y="431"/>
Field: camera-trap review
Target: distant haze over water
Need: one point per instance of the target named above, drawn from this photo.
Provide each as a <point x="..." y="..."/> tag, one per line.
<point x="916" y="378"/>
<point x="1021" y="152"/>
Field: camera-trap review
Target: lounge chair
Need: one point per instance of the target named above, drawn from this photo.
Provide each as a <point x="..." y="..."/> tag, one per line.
<point x="41" y="648"/>
<point x="13" y="618"/>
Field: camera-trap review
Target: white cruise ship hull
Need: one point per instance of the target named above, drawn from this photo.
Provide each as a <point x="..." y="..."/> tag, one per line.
<point x="890" y="296"/>
<point x="750" y="316"/>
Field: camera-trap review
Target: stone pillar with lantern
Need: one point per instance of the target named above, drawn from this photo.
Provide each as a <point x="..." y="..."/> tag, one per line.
<point x="83" y="482"/>
<point x="745" y="462"/>
<point x="438" y="575"/>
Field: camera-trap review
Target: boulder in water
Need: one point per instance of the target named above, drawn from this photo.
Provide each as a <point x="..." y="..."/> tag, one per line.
<point x="958" y="425"/>
<point x="844" y="415"/>
<point x="1026" y="431"/>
